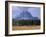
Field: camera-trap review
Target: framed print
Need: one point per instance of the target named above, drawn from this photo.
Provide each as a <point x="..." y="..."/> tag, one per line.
<point x="24" y="18"/>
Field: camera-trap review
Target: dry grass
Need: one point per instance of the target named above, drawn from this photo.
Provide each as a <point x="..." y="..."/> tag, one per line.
<point x="25" y="27"/>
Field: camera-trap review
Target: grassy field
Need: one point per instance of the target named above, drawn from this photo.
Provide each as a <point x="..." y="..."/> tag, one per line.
<point x="25" y="27"/>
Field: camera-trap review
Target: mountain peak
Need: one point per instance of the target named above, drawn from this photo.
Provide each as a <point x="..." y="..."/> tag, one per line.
<point x="25" y="15"/>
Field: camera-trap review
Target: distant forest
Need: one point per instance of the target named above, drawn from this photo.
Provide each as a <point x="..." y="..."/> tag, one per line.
<point x="25" y="22"/>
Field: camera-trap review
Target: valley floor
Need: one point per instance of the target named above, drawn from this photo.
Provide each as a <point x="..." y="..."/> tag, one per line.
<point x="25" y="27"/>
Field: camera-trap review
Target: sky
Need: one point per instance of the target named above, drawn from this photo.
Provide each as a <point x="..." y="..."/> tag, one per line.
<point x="34" y="11"/>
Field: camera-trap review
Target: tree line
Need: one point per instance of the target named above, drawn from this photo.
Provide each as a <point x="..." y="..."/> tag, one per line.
<point x="25" y="22"/>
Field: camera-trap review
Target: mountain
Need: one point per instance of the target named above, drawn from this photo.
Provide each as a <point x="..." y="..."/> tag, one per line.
<point x="25" y="15"/>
